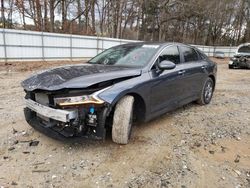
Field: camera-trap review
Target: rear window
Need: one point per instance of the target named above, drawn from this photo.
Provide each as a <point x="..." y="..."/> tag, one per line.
<point x="189" y="54"/>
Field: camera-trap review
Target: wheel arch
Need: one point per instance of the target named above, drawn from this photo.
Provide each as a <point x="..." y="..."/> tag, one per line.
<point x="213" y="78"/>
<point x="139" y="105"/>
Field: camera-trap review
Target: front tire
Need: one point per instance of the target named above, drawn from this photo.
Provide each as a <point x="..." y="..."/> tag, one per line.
<point x="207" y="92"/>
<point x="122" y="120"/>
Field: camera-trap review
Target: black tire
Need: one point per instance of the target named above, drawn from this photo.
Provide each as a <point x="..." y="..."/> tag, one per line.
<point x="231" y="66"/>
<point x="207" y="92"/>
<point x="122" y="120"/>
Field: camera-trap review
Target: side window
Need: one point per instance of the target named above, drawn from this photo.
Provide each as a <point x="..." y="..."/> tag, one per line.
<point x="171" y="54"/>
<point x="189" y="54"/>
<point x="202" y="55"/>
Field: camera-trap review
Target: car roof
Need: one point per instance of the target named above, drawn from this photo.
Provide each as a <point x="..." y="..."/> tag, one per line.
<point x="152" y="43"/>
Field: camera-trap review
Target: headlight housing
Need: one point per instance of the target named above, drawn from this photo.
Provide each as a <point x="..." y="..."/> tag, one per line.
<point x="80" y="100"/>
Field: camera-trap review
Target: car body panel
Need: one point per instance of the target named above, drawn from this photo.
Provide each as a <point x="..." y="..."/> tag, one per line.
<point x="171" y="85"/>
<point x="77" y="76"/>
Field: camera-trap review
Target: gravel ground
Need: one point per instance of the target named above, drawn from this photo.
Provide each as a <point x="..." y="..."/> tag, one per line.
<point x="194" y="146"/>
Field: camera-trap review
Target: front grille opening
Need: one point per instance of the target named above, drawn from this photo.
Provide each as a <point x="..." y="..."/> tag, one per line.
<point x="42" y="98"/>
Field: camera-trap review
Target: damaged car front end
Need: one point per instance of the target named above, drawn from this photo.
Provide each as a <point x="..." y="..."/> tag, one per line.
<point x="65" y="103"/>
<point x="242" y="57"/>
<point x="67" y="114"/>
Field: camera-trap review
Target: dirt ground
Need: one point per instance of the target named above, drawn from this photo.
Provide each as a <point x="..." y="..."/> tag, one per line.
<point x="194" y="146"/>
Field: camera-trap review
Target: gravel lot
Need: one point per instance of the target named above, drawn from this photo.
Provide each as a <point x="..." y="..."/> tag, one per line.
<point x="194" y="146"/>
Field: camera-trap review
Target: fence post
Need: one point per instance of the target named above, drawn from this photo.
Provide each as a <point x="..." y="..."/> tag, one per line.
<point x="4" y="46"/>
<point x="43" y="57"/>
<point x="97" y="45"/>
<point x="229" y="54"/>
<point x="102" y="44"/>
<point x="71" y="50"/>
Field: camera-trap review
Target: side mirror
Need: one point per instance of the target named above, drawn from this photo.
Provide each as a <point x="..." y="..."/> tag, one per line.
<point x="166" y="65"/>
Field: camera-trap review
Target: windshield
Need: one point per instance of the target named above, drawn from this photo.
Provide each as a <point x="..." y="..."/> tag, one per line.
<point x="244" y="49"/>
<point x="127" y="55"/>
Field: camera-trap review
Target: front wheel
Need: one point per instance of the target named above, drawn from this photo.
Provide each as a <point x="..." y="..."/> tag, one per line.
<point x="122" y="121"/>
<point x="207" y="92"/>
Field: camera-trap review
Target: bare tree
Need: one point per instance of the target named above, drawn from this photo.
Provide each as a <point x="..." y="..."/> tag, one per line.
<point x="200" y="22"/>
<point x="2" y="13"/>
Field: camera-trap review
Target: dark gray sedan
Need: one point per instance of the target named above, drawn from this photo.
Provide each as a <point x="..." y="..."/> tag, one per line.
<point x="126" y="83"/>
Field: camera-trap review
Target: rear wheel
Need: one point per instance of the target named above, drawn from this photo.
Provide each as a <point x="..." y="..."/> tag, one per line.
<point x="207" y="92"/>
<point x="122" y="120"/>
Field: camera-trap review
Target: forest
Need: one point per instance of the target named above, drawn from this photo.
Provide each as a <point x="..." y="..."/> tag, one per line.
<point x="213" y="22"/>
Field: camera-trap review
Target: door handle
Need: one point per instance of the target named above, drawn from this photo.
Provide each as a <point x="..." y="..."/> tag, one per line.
<point x="181" y="72"/>
<point x="204" y="67"/>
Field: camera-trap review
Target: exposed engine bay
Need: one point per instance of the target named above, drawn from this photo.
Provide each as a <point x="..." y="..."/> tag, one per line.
<point x="241" y="61"/>
<point x="70" y="114"/>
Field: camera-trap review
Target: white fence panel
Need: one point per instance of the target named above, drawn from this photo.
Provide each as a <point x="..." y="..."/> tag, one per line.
<point x="15" y="52"/>
<point x="1" y="39"/>
<point x="31" y="45"/>
<point x="22" y="40"/>
<point x="107" y="44"/>
<point x="84" y="53"/>
<point x="56" y="41"/>
<point x="56" y="53"/>
<point x="1" y="51"/>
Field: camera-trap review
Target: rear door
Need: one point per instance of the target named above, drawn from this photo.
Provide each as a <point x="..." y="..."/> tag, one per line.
<point x="195" y="73"/>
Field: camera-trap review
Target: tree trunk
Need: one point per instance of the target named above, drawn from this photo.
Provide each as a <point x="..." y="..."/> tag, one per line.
<point x="52" y="15"/>
<point x="23" y="14"/>
<point x="39" y="15"/>
<point x="241" y="16"/>
<point x="2" y="13"/>
<point x="64" y="15"/>
<point x="86" y="15"/>
<point x="45" y="22"/>
<point x="79" y="11"/>
<point x="93" y="16"/>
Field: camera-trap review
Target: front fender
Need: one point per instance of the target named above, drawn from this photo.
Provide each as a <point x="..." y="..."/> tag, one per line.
<point x="138" y="86"/>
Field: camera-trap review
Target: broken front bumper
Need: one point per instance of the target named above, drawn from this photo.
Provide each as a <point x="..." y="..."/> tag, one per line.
<point x="61" y="124"/>
<point x="56" y="114"/>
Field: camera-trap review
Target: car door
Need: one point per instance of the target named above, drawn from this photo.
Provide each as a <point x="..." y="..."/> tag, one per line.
<point x="166" y="86"/>
<point x="195" y="73"/>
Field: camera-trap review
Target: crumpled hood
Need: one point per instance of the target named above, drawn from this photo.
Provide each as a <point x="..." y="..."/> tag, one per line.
<point x="76" y="76"/>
